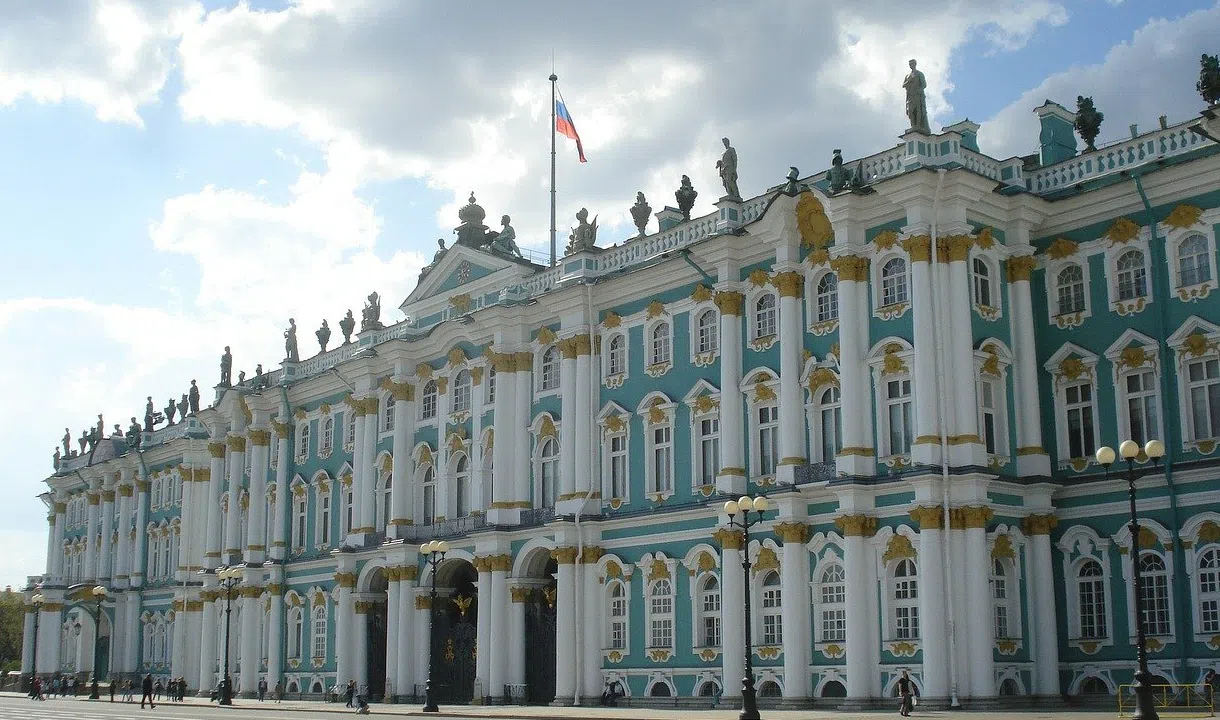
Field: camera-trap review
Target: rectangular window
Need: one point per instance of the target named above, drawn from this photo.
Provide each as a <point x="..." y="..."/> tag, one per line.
<point x="387" y="413"/>
<point x="1092" y="601"/>
<point x="898" y="408"/>
<point x="906" y="622"/>
<point x="429" y="504"/>
<point x="1079" y="404"/>
<point x="834" y="625"/>
<point x="324" y="520"/>
<point x="709" y="450"/>
<point x="1141" y="406"/>
<point x="711" y="631"/>
<point x="1001" y="621"/>
<point x="1203" y="377"/>
<point x="768" y="439"/>
<point x="1156" y="604"/>
<point x="989" y="423"/>
<point x="662" y="456"/>
<point x="618" y="466"/>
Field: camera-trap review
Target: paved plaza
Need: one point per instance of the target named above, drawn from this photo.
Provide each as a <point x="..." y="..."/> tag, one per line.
<point x="17" y="707"/>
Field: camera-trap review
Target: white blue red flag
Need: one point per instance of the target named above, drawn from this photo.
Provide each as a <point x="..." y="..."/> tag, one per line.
<point x="567" y="128"/>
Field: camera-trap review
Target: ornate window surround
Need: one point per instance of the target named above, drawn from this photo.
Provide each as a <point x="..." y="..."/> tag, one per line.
<point x="753" y="294"/>
<point x="1010" y="553"/>
<point x="615" y="421"/>
<point x="815" y="326"/>
<point x="1072" y="365"/>
<point x="1135" y="352"/>
<point x="657" y="410"/>
<point x="891" y="363"/>
<point x="1078" y="544"/>
<point x="1113" y="252"/>
<point x="992" y="361"/>
<point x="1163" y="548"/>
<point x="544" y="428"/>
<point x="1199" y="534"/>
<point x="995" y="310"/>
<point x="652" y="366"/>
<point x="817" y="379"/>
<point x="1196" y="339"/>
<point x="697" y="313"/>
<point x="1173" y="240"/>
<point x="323" y="486"/>
<point x="887" y="561"/>
<point x="702" y="403"/>
<point x="540" y="355"/>
<point x="761" y="388"/>
<point x="1052" y="268"/>
<point x="895" y="310"/>
<point x="615" y="380"/>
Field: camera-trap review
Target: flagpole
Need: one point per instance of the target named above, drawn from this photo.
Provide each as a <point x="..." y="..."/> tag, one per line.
<point x="553" y="79"/>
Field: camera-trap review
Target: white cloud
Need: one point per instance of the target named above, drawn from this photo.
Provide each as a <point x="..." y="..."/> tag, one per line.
<point x="111" y="55"/>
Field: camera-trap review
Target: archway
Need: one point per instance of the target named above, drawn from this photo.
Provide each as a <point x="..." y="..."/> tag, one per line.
<point x="454" y="631"/>
<point x="834" y="689"/>
<point x="540" y="626"/>
<point x="375" y="608"/>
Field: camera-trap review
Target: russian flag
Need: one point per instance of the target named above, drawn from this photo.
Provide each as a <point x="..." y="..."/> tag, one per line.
<point x="567" y="128"/>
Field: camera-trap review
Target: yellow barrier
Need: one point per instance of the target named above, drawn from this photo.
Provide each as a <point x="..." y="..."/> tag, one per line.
<point x="1184" y="701"/>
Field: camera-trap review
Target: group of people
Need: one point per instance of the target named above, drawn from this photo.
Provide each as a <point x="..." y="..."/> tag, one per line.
<point x="58" y="686"/>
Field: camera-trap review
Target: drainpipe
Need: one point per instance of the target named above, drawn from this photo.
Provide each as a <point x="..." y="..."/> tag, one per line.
<point x="942" y="410"/>
<point x="580" y="542"/>
<point x="1160" y="292"/>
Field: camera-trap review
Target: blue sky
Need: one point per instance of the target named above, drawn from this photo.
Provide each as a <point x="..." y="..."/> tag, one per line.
<point x="194" y="174"/>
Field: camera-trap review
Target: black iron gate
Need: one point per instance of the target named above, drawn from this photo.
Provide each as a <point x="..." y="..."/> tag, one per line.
<point x="540" y="646"/>
<point x="453" y="648"/>
<point x="376" y="644"/>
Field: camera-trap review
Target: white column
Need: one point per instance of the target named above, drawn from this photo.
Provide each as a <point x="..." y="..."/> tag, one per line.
<point x="932" y="604"/>
<point x="587" y="467"/>
<point x="483" y="628"/>
<point x="48" y="637"/>
<point x="732" y="475"/>
<point x="215" y="532"/>
<point x="94" y="529"/>
<point x="393" y="600"/>
<point x="1042" y="598"/>
<point x="256" y="528"/>
<point x="275" y="636"/>
<point x="27" y="640"/>
<point x="1031" y="457"/>
<point x="732" y="611"/>
<point x="958" y="624"/>
<point x="565" y="623"/>
<point x="926" y="447"/>
<point x="131" y="654"/>
<point x="139" y="555"/>
<point x="283" y="494"/>
<point x="404" y="429"/>
<point x="794" y="582"/>
<point x="961" y="336"/>
<point x="366" y="488"/>
<point x="359" y="642"/>
<point x="423" y="635"/>
<point x="505" y="500"/>
<point x="55" y="554"/>
<point x="408" y="631"/>
<point x="122" y="561"/>
<point x="857" y="456"/>
<point x="356" y="407"/>
<point x="522" y="407"/>
<point x="207" y="643"/>
<point x="496" y="670"/>
<point x="979" y="614"/>
<point x="177" y="658"/>
<point x="251" y="616"/>
<point x="237" y="467"/>
<point x="345" y="619"/>
<point x="105" y="571"/>
<point x="445" y="495"/>
<point x="592" y="626"/>
<point x="516" y="635"/>
<point x="790" y="285"/>
<point x="567" y="419"/>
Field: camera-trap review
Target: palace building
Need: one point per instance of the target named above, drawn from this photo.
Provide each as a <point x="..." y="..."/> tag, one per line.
<point x="914" y="356"/>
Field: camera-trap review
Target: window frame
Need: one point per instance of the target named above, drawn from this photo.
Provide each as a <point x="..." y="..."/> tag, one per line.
<point x="1051" y="275"/>
<point x="623" y="622"/>
<point x="900" y="302"/>
<point x="704" y="339"/>
<point x="541" y="461"/>
<point x="429" y="400"/>
<point x="548" y="373"/>
<point x="903" y="600"/>
<point x="770" y="619"/>
<point x="614" y="372"/>
<point x="659" y="614"/>
<point x="608" y="455"/>
<point x="707" y="619"/>
<point x="826" y="610"/>
<point x="1175" y="239"/>
<point x="462" y="398"/>
<point x="653" y="423"/>
<point x="822" y="306"/>
<point x="659" y="346"/>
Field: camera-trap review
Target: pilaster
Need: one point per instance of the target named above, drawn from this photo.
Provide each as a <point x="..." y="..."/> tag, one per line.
<point x="932" y="601"/>
<point x="283" y="494"/>
<point x="860" y="568"/>
<point x="794" y="582"/>
<point x="256" y="529"/>
<point x="857" y="456"/>
<point x="732" y="627"/>
<point x="565" y="622"/>
<point x="1041" y="576"/>
<point x="216" y="479"/>
<point x="401" y="510"/>
<point x="345" y="620"/>
<point x="1032" y="459"/>
<point x="233" y="542"/>
<point x="732" y="476"/>
<point x="790" y="283"/>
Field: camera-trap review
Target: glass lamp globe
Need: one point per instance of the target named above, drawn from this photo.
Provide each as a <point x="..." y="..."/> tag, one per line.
<point x="1154" y="449"/>
<point x="1104" y="455"/>
<point x="1129" y="449"/>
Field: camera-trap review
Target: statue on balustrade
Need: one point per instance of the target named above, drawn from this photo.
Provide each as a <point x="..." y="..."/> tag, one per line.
<point x="150" y="415"/>
<point x="917" y="102"/>
<point x="436" y="258"/>
<point x="241" y="378"/>
<point x="584" y="235"/>
<point x="1088" y="121"/>
<point x="290" y="342"/>
<point x="55" y="462"/>
<point x="1209" y="79"/>
<point x="183" y="404"/>
<point x="727" y="167"/>
<point x="505" y="241"/>
<point x="193" y="396"/>
<point x="226" y="368"/>
<point x="118" y="431"/>
<point x="323" y="335"/>
<point x="640" y="212"/>
<point x="347" y="326"/>
<point x="370" y="317"/>
<point x="170" y="409"/>
<point x="837" y="176"/>
<point x="67" y="441"/>
<point x="685" y="195"/>
<point x="133" y="434"/>
<point x="101" y="427"/>
<point x="83" y="441"/>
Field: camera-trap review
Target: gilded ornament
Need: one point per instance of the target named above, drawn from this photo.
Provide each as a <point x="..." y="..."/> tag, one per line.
<point x="730" y="302"/>
<point x="260" y="438"/>
<point x="885" y="240"/>
<point x="442" y="386"/>
<point x="612" y="320"/>
<point x="425" y="455"/>
<point x="928" y="517"/>
<point x="706" y="404"/>
<point x="984" y="239"/>
<point x="766" y="560"/>
<point x="545" y="336"/>
<point x="461" y="302"/>
<point x="705" y="562"/>
<point x="614" y="423"/>
<point x="899" y="547"/>
<point x="1133" y="357"/>
<point x="423" y="370"/>
<point x="1123" y="231"/>
<point x="1209" y="532"/>
<point x="463" y="604"/>
<point x="958" y="247"/>
<point x="758" y="277"/>
<point x="812" y="222"/>
<point x="613" y="569"/>
<point x="216" y="449"/>
<point x="822" y="377"/>
<point x="520" y="594"/>
<point x="655" y="309"/>
<point x="1021" y="267"/>
<point x="729" y="539"/>
<point x="423" y="602"/>
<point x="1062" y="248"/>
<point x="903" y="649"/>
<point x="763" y="393"/>
<point x="856" y="525"/>
<point x="1196" y="344"/>
<point x="991" y="365"/>
<point x="476" y="375"/>
<point x="525" y="361"/>
<point x="1038" y="524"/>
<point x="564" y="555"/>
<point x="818" y="258"/>
<point x="1183" y="216"/>
<point x="456" y="356"/>
<point x="1072" y="368"/>
<point x="701" y="293"/>
<point x="656" y="415"/>
<point x="791" y="532"/>
<point x="850" y="268"/>
<point x="236" y="443"/>
<point x="547" y="428"/>
<point x="789" y="284"/>
<point x="974" y="517"/>
<point x="891" y="364"/>
<point x="919" y="247"/>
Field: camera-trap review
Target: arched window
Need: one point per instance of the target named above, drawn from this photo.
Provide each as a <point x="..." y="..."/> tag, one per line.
<point x="427" y="404"/>
<point x="349" y="434"/>
<point x="550" y="369"/>
<point x="1070" y="284"/>
<point x="661" y="615"/>
<point x="833" y="594"/>
<point x="830" y="423"/>
<point x="1203" y="388"/>
<point x="303" y="440"/>
<point x="429" y="488"/>
<point x="827" y="298"/>
<point x="982" y="282"/>
<point x="764" y="316"/>
<point x="834" y="689"/>
<point x="548" y="471"/>
<point x="659" y="689"/>
<point x="707" y="429"/>
<point x="328" y="435"/>
<point x="999" y="593"/>
<point x="149" y="642"/>
<point x="1193" y="265"/>
<point x="348" y="516"/>
<point x="1154" y="577"/>
<point x="708" y="631"/>
<point x="387" y="413"/>
<point x="319" y="632"/>
<point x="323" y="530"/>
<point x="659" y="346"/>
<point x="461" y="486"/>
<point x="708" y="689"/>
<point x="616" y="356"/>
<point x="898" y="415"/>
<point x="906" y="600"/>
<point x="1091" y="599"/>
<point x="893" y="282"/>
<point x="1141" y="399"/>
<point x="387" y="505"/>
<point x="616" y="601"/>
<point x="767" y="430"/>
<point x="1132" y="275"/>
<point x="300" y="508"/>
<point x="461" y="392"/>
<point x="772" y="610"/>
<point x="770" y="688"/>
<point x="491" y="384"/>
<point x="707" y="332"/>
<point x="1209" y="591"/>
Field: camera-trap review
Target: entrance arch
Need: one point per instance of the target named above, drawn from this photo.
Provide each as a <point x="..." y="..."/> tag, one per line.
<point x="454" y="631"/>
<point x="375" y="608"/>
<point x="540" y="568"/>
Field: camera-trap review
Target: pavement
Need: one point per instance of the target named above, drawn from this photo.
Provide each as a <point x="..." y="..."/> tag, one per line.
<point x="14" y="706"/>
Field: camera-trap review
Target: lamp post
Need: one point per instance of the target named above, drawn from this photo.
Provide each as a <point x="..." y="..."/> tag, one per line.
<point x="434" y="553"/>
<point x="37" y="600"/>
<point x="229" y="579"/>
<point x="99" y="594"/>
<point x="1145" y="708"/>
<point x="743" y="506"/>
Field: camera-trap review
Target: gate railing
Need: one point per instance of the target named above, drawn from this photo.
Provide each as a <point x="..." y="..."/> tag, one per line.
<point x="1171" y="699"/>
<point x="514" y="693"/>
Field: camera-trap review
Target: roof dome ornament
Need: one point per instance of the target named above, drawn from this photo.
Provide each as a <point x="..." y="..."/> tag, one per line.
<point x="472" y="232"/>
<point x="472" y="213"/>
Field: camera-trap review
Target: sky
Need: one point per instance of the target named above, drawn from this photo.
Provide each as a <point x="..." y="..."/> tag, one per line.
<point x="177" y="176"/>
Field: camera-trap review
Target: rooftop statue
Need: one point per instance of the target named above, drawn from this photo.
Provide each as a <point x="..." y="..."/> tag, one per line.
<point x="133" y="434"/>
<point x="170" y="409"/>
<point x="241" y="378"/>
<point x="917" y="102"/>
<point x="1209" y="79"/>
<point x="436" y="258"/>
<point x="259" y="379"/>
<point x="118" y="431"/>
<point x="584" y="235"/>
<point x="55" y="461"/>
<point x="1088" y="121"/>
<point x="472" y="232"/>
<point x="505" y="241"/>
<point x="101" y="426"/>
<point x="640" y="212"/>
<point x="183" y="404"/>
<point x="67" y="441"/>
<point x="226" y="368"/>
<point x="347" y="326"/>
<point x="370" y="317"/>
<point x="837" y="176"/>
<point x="193" y="396"/>
<point x="323" y="334"/>
<point x="727" y="166"/>
<point x="685" y="196"/>
<point x="83" y="440"/>
<point x="792" y="186"/>
<point x="290" y="342"/>
<point x="150" y="414"/>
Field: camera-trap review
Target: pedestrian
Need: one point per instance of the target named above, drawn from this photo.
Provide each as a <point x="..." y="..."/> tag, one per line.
<point x="146" y="688"/>
<point x="904" y="692"/>
<point x="129" y="694"/>
<point x="158" y="688"/>
<point x="1211" y="682"/>
<point x="262" y="689"/>
<point x="111" y="691"/>
<point x="350" y="693"/>
<point x="279" y="690"/>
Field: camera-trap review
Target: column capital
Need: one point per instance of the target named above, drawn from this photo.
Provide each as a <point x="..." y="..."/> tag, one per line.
<point x="62" y="507"/>
<point x="789" y="283"/>
<point x="970" y="517"/>
<point x="564" y="555"/>
<point x="857" y="525"/>
<point x="919" y="247"/>
<point x="792" y="532"/>
<point x="929" y="517"/>
<point x="1039" y="524"/>
<point x="281" y="429"/>
<point x="524" y="361"/>
<point x="954" y="248"/>
<point x="519" y="594"/>
<point x="502" y="362"/>
<point x="729" y="539"/>
<point x="216" y="449"/>
<point x="236" y="443"/>
<point x="1020" y="267"/>
<point x="423" y="602"/>
<point x="399" y="390"/>
<point x="591" y="555"/>
<point x="345" y="579"/>
<point x="259" y="437"/>
<point x="730" y="302"/>
<point x="850" y="268"/>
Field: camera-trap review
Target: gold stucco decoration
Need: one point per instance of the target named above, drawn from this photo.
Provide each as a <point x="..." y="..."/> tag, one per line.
<point x="1020" y="267"/>
<point x="1072" y="368"/>
<point x="991" y="365"/>
<point x="461" y="302"/>
<point x="1183" y="216"/>
<point x="763" y="393"/>
<point x="822" y="377"/>
<point x="655" y="309"/>
<point x="456" y="356"/>
<point x="1133" y="357"/>
<point x="898" y="548"/>
<point x="758" y="277"/>
<point x="701" y="293"/>
<point x="1196" y="344"/>
<point x="658" y="570"/>
<point x="424" y="370"/>
<point x="1209" y="531"/>
<point x="1062" y="248"/>
<point x="856" y="525"/>
<point x="767" y="560"/>
<point x="885" y="240"/>
<point x="706" y="562"/>
<point x="612" y="320"/>
<point x="656" y="415"/>
<point x="614" y="423"/>
<point x="1002" y="548"/>
<point x="546" y="336"/>
<point x="812" y="222"/>
<point x="706" y="404"/>
<point x="919" y="247"/>
<point x="425" y="455"/>
<point x="891" y="364"/>
<point x="547" y="429"/>
<point x="1123" y="231"/>
<point x="985" y="239"/>
<point x="729" y="539"/>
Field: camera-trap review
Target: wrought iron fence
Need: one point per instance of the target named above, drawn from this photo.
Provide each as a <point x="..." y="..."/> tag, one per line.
<point x="1174" y="700"/>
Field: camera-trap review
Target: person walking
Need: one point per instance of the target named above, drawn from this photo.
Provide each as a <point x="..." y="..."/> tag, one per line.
<point x="146" y="687"/>
<point x="904" y="692"/>
<point x="350" y="693"/>
<point x="129" y="688"/>
<point x="1211" y="685"/>
<point x="111" y="691"/>
<point x="279" y="690"/>
<point x="262" y="689"/>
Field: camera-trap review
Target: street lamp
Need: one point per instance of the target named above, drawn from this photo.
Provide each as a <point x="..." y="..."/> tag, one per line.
<point x="1145" y="708"/>
<point x="229" y="578"/>
<point x="749" y="706"/>
<point x="37" y="601"/>
<point x="99" y="594"/>
<point x="434" y="553"/>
